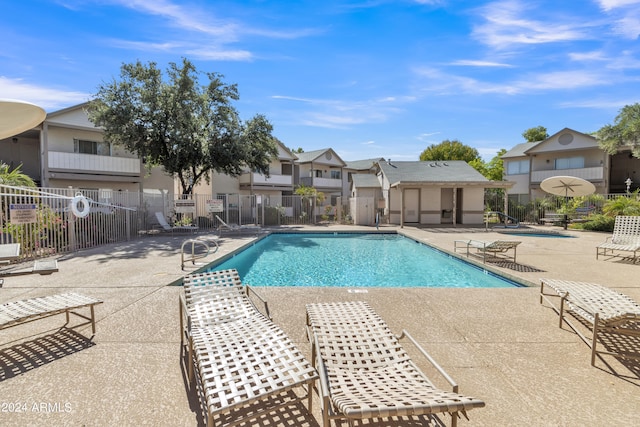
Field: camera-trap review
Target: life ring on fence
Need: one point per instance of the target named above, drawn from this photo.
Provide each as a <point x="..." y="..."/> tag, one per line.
<point x="80" y="199"/>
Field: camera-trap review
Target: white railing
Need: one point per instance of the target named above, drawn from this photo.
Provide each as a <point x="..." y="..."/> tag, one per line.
<point x="321" y="182"/>
<point x="90" y="162"/>
<point x="590" y="174"/>
<point x="259" y="179"/>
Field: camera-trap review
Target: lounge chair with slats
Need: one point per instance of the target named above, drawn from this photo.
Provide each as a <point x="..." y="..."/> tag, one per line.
<point x="19" y="312"/>
<point x="624" y="240"/>
<point x="162" y="221"/>
<point x="365" y="373"/>
<point x="498" y="249"/>
<point x="235" y="228"/>
<point x="245" y="365"/>
<point x="605" y="310"/>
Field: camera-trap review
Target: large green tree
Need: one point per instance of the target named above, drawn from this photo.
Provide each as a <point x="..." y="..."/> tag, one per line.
<point x="493" y="169"/>
<point x="187" y="128"/>
<point x="538" y="133"/>
<point x="449" y="150"/>
<point x="624" y="132"/>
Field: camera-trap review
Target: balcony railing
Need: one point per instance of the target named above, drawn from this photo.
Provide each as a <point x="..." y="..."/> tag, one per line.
<point x="259" y="179"/>
<point x="321" y="182"/>
<point x="93" y="163"/>
<point x="590" y="174"/>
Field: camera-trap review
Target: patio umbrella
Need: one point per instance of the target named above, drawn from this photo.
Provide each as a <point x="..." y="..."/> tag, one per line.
<point x="567" y="186"/>
<point x="18" y="116"/>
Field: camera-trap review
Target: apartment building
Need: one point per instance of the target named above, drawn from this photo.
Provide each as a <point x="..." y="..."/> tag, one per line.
<point x="567" y="152"/>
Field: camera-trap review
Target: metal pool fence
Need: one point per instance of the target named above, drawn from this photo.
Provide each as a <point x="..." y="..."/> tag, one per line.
<point x="43" y="221"/>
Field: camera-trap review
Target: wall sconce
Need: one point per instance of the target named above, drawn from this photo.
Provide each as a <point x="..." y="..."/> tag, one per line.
<point x="547" y="160"/>
<point x="14" y="140"/>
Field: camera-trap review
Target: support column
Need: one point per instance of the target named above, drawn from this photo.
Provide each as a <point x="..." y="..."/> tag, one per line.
<point x="455" y="207"/>
<point x="401" y="207"/>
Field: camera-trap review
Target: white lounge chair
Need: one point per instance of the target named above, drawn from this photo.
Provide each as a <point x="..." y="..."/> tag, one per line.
<point x="23" y="311"/>
<point x="234" y="228"/>
<point x="625" y="238"/>
<point x="180" y="228"/>
<point x="243" y="360"/>
<point x="496" y="249"/>
<point x="9" y="252"/>
<point x="366" y="374"/>
<point x="603" y="308"/>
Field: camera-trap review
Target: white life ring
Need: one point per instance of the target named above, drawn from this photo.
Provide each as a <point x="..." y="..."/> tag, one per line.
<point x="80" y="199"/>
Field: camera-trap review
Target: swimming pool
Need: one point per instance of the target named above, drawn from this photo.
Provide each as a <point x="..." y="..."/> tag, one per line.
<point x="354" y="260"/>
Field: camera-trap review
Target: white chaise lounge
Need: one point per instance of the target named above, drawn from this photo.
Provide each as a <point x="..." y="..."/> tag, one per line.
<point x="605" y="310"/>
<point x="625" y="239"/>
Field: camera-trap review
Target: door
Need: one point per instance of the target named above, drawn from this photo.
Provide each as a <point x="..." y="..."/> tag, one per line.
<point x="411" y="205"/>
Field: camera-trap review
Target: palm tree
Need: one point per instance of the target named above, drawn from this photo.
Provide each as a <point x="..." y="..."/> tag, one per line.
<point x="622" y="206"/>
<point x="14" y="177"/>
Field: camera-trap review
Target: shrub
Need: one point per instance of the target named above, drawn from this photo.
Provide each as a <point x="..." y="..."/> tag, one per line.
<point x="622" y="206"/>
<point x="599" y="222"/>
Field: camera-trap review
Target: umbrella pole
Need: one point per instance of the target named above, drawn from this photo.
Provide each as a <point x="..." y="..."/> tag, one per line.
<point x="565" y="221"/>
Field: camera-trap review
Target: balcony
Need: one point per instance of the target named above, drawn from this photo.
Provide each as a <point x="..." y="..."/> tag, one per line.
<point x="590" y="174"/>
<point x="321" y="182"/>
<point x="272" y="180"/>
<point x="90" y="163"/>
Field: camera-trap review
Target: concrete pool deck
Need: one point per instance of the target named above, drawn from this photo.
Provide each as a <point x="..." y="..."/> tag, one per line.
<point x="500" y="345"/>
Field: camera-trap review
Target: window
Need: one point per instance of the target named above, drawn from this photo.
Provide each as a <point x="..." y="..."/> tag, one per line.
<point x="318" y="173"/>
<point x="517" y="167"/>
<point x="83" y="146"/>
<point x="570" y="163"/>
<point x="286" y="169"/>
<point x="335" y="174"/>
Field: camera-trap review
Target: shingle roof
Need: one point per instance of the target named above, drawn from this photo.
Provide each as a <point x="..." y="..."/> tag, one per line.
<point x="362" y="164"/>
<point x="361" y="180"/>
<point x="519" y="150"/>
<point x="431" y="171"/>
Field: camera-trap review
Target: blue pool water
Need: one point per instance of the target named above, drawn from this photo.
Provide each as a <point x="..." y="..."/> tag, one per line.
<point x="354" y="260"/>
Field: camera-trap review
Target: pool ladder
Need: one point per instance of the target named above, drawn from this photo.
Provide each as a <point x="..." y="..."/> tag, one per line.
<point x="193" y="256"/>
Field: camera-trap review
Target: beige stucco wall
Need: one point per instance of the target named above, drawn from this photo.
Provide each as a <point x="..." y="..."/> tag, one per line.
<point x="521" y="185"/>
<point x="430" y="200"/>
<point x="473" y="206"/>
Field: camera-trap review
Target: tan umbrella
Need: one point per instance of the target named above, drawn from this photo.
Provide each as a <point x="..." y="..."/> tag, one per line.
<point x="18" y="116"/>
<point x="567" y="186"/>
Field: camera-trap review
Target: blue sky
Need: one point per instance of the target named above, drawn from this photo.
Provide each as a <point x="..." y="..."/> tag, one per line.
<point x="369" y="78"/>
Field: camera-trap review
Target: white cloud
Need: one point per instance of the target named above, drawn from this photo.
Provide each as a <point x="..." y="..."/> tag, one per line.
<point x="478" y="63"/>
<point x="342" y="114"/>
<point x="442" y="83"/>
<point x="507" y="24"/>
<point x="588" y="56"/>
<point x="190" y="19"/>
<point x="563" y="80"/>
<point x="425" y="136"/>
<point x="48" y="98"/>
<point x="628" y="26"/>
<point x="615" y="4"/>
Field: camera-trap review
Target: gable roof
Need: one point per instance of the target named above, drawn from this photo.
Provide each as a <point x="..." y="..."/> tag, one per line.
<point x="555" y="143"/>
<point x="365" y="180"/>
<point x="363" y="165"/>
<point x="450" y="171"/>
<point x="324" y="156"/>
<point x="520" y="150"/>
